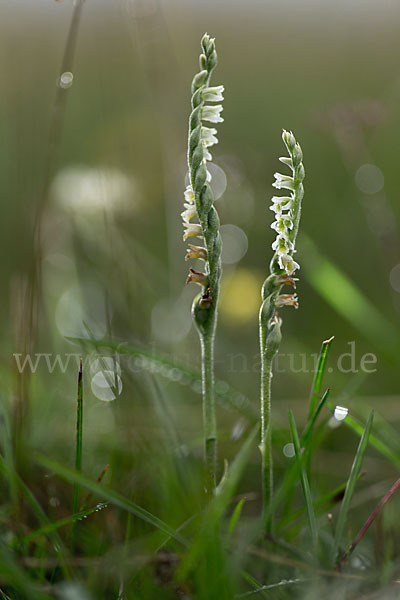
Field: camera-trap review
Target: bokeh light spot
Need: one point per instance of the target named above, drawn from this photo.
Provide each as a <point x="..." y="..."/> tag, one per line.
<point x="106" y="385"/>
<point x="171" y="320"/>
<point x="218" y="180"/>
<point x="394" y="278"/>
<point x="369" y="179"/>
<point x="234" y="244"/>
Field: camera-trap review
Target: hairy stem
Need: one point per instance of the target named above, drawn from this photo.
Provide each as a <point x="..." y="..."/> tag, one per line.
<point x="266" y="440"/>
<point x="209" y="419"/>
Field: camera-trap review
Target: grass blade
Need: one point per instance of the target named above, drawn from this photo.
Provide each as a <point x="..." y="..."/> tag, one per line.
<point x="307" y="434"/>
<point x="340" y="292"/>
<point x="235" y="516"/>
<point x="79" y="439"/>
<point x="319" y="374"/>
<point x="225" y="395"/>
<point x="109" y="495"/>
<point x="304" y="482"/>
<point x="350" y="487"/>
<point x="51" y="527"/>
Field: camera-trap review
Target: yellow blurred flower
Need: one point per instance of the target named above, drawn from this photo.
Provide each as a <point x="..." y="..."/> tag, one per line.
<point x="240" y="296"/>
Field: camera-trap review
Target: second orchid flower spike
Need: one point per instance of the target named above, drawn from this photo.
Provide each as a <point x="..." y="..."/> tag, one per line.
<point x="287" y="210"/>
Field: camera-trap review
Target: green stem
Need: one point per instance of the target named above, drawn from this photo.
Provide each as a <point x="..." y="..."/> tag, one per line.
<point x="209" y="418"/>
<point x="266" y="430"/>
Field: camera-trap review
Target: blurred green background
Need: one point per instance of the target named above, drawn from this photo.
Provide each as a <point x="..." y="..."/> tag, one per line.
<point x="111" y="261"/>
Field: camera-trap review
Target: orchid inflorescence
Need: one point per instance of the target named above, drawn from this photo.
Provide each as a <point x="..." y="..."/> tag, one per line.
<point x="198" y="196"/>
<point x="287" y="208"/>
<point x="200" y="219"/>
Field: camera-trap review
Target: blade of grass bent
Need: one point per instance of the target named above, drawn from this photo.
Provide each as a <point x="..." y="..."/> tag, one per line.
<point x="340" y="292"/>
<point x="350" y="487"/>
<point x="225" y="394"/>
<point x="51" y="527"/>
<point x="109" y="495"/>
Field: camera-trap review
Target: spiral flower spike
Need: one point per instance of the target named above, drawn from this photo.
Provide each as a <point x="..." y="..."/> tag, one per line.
<point x="287" y="209"/>
<point x="200" y="220"/>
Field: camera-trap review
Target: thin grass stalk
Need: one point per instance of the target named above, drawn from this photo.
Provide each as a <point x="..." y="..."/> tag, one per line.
<point x="199" y="207"/>
<point x="79" y="437"/>
<point x="287" y="211"/>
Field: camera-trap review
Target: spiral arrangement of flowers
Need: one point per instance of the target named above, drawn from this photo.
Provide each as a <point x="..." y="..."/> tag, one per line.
<point x="200" y="219"/>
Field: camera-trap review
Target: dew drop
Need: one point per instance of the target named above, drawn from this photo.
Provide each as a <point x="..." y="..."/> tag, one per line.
<point x="288" y="450"/>
<point x="340" y="413"/>
<point x="66" y="80"/>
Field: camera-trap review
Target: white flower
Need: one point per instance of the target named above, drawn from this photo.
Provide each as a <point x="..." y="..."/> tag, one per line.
<point x="282" y="224"/>
<point x="278" y="208"/>
<point x="287" y="263"/>
<point x="283" y="182"/>
<point x="280" y="199"/>
<point x="189" y="195"/>
<point x="213" y="94"/>
<point x="206" y="154"/>
<point x="192" y="230"/>
<point x="209" y="136"/>
<point x="286" y="161"/>
<point x="189" y="213"/>
<point x="282" y="245"/>
<point x="212" y="113"/>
